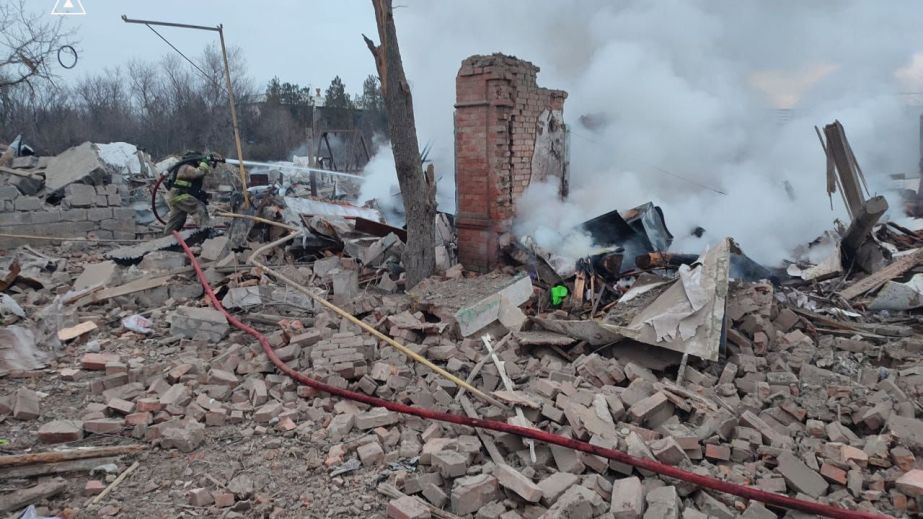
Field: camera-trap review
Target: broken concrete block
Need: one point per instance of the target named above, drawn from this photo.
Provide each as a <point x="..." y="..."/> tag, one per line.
<point x="61" y="431"/>
<point x="185" y="437"/>
<point x="78" y="164"/>
<point x="120" y="406"/>
<point x="222" y="378"/>
<point x="371" y="454"/>
<point x="435" y="495"/>
<point x="567" y="460"/>
<point x="758" y="511"/>
<point x="668" y="451"/>
<point x="199" y="323"/>
<point x="800" y="477"/>
<point x="908" y="430"/>
<point x="345" y="285"/>
<point x="511" y="316"/>
<point x="407" y="507"/>
<point x="375" y="417"/>
<point x="577" y="502"/>
<point x="911" y="483"/>
<point x="472" y="318"/>
<point x="555" y="485"/>
<point x="450" y="464"/>
<point x="712" y="507"/>
<point x="649" y="407"/>
<point x="241" y="486"/>
<point x="200" y="497"/>
<point x="471" y="493"/>
<point x="96" y="274"/>
<point x="25" y="404"/>
<point x="223" y="499"/>
<point x="80" y="195"/>
<point x="510" y="478"/>
<point x="243" y="297"/>
<point x="214" y="249"/>
<point x="325" y="266"/>
<point x="627" y="500"/>
<point x="663" y="503"/>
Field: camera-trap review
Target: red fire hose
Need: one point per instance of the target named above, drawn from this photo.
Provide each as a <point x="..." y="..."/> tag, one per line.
<point x="641" y="463"/>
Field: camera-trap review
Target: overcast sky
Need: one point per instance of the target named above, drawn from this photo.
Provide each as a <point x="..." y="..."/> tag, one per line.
<point x="305" y="42"/>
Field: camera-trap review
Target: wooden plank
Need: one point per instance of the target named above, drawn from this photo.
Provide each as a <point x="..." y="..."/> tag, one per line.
<point x="543" y="338"/>
<point x="67" y="334"/>
<point x="19" y="173"/>
<point x="838" y="148"/>
<point x="137" y="285"/>
<point x="18" y="460"/>
<point x="20" y="498"/>
<point x="134" y="466"/>
<point x="61" y="467"/>
<point x="873" y="281"/>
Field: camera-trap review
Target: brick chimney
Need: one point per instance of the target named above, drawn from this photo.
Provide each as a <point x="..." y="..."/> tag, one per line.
<point x="508" y="132"/>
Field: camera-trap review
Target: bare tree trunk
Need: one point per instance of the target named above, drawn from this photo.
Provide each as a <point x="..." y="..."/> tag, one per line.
<point x="418" y="189"/>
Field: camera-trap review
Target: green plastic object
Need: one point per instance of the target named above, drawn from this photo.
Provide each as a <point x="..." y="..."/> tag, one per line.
<point x="558" y="293"/>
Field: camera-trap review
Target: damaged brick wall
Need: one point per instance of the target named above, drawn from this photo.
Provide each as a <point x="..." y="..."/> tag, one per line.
<point x="508" y="132"/>
<point x="84" y="211"/>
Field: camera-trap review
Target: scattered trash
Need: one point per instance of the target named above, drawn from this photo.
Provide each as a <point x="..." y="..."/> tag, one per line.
<point x="138" y="324"/>
<point x="31" y="513"/>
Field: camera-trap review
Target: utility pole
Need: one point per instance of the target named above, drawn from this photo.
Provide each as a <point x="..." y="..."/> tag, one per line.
<point x="227" y="76"/>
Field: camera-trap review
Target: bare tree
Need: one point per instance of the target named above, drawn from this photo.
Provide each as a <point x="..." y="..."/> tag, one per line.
<point x="418" y="188"/>
<point x="29" y="43"/>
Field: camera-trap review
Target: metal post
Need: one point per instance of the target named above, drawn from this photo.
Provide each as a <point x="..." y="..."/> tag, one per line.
<point x="240" y="151"/>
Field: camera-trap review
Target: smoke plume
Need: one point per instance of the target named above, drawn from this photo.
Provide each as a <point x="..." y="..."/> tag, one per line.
<point x="690" y="97"/>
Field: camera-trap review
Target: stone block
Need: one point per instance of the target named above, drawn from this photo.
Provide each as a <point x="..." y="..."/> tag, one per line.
<point x="199" y="323"/>
<point x="28" y="203"/>
<point x="407" y="507"/>
<point x="471" y="493"/>
<point x="25" y="404"/>
<point x="98" y="214"/>
<point x="627" y="500"/>
<point x="213" y="249"/>
<point x="512" y="479"/>
<point x="61" y="431"/>
<point x="79" y="195"/>
<point x="800" y="477"/>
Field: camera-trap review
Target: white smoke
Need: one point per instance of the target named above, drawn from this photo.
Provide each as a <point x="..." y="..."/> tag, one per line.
<point x="380" y="181"/>
<point x="692" y="88"/>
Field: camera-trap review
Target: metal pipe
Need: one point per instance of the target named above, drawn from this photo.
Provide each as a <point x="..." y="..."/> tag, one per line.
<point x="126" y="19"/>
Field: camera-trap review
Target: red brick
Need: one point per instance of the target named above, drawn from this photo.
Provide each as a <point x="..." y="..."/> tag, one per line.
<point x="833" y="473"/>
<point x="97" y="361"/>
<point x="717" y="452"/>
<point x="93" y="487"/>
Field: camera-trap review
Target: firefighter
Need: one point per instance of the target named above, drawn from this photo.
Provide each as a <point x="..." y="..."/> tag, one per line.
<point x="186" y="194"/>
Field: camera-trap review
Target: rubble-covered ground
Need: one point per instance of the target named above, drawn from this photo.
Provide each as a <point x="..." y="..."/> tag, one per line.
<point x="805" y="402"/>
